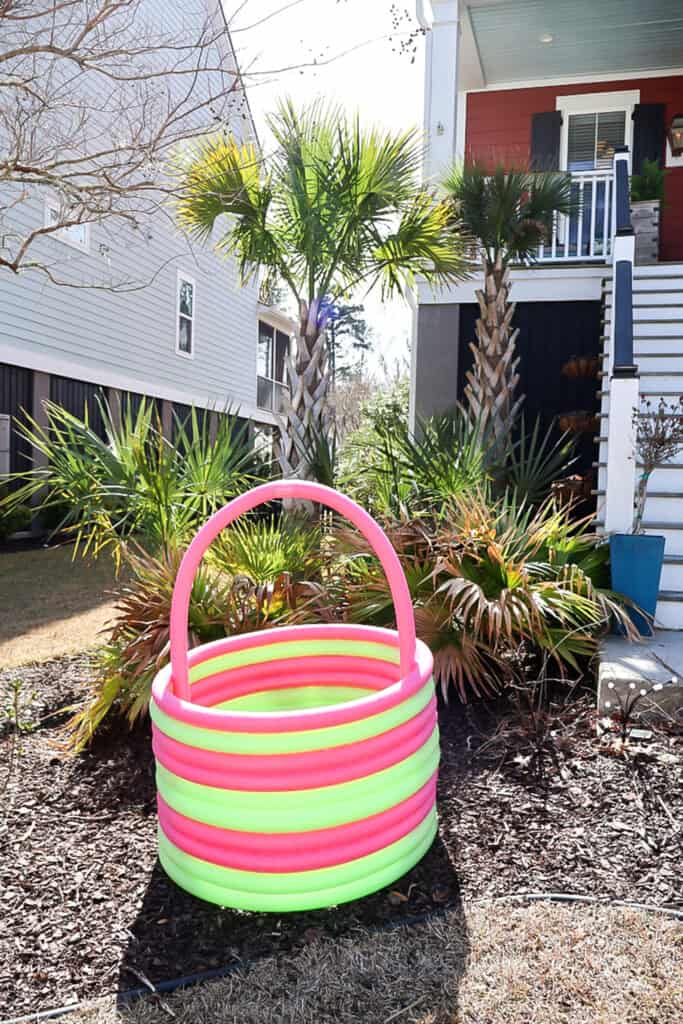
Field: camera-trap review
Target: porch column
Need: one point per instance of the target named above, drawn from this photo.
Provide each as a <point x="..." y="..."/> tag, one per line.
<point x="441" y="20"/>
<point x="624" y="383"/>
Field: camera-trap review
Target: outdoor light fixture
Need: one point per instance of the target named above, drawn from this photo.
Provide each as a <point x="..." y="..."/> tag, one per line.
<point x="676" y="135"/>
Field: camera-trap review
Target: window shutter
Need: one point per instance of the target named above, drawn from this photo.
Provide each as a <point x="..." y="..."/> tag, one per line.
<point x="648" y="134"/>
<point x="545" y="141"/>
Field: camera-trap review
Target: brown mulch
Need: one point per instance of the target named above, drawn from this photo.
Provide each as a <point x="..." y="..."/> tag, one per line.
<point x="87" y="911"/>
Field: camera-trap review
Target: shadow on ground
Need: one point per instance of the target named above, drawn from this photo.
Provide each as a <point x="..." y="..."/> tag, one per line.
<point x="178" y="936"/>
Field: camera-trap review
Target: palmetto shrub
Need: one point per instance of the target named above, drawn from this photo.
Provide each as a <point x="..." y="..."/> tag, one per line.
<point x="267" y="549"/>
<point x="493" y="585"/>
<point x="134" y="482"/>
<point x="254" y="577"/>
<point x="392" y="470"/>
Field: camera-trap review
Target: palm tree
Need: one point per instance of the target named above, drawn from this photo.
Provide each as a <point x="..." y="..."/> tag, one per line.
<point x="334" y="207"/>
<point x="509" y="213"/>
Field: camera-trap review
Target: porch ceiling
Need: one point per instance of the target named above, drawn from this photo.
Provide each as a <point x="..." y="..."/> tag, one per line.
<point x="524" y="40"/>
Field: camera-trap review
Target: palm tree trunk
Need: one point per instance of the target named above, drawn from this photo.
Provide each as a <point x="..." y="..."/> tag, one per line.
<point x="493" y="379"/>
<point x="308" y="411"/>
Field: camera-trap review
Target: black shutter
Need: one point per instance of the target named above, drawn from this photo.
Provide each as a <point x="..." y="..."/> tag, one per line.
<point x="648" y="134"/>
<point x="545" y="141"/>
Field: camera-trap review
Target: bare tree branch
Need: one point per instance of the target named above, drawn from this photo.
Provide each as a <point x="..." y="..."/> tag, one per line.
<point x="96" y="99"/>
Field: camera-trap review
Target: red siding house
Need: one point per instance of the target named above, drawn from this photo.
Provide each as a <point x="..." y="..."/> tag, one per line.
<point x="592" y="89"/>
<point x="499" y="129"/>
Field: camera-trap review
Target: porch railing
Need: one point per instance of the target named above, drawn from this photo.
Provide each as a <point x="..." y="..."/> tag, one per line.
<point x="586" y="234"/>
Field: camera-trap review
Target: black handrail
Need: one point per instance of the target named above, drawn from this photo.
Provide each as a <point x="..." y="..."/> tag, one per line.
<point x="622" y="296"/>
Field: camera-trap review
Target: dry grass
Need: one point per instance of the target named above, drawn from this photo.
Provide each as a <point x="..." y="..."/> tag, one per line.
<point x="538" y="964"/>
<point x="51" y="605"/>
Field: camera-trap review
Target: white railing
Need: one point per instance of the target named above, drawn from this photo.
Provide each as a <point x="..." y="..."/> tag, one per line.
<point x="585" y="235"/>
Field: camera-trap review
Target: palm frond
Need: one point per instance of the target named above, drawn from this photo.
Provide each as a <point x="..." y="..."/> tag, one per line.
<point x="509" y="211"/>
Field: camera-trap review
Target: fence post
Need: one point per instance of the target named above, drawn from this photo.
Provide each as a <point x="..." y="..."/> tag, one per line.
<point x="623" y="378"/>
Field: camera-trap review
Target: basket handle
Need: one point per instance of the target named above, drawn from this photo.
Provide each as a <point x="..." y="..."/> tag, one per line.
<point x="301" y="490"/>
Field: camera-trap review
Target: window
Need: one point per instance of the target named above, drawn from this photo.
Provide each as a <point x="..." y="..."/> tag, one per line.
<point x="185" y="314"/>
<point x="592" y="138"/>
<point x="76" y="235"/>
<point x="592" y="125"/>
<point x="271" y="367"/>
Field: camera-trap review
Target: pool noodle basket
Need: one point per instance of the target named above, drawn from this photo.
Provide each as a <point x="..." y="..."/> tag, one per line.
<point x="296" y="767"/>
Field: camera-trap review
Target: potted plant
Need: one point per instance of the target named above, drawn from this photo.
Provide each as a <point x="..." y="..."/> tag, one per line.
<point x="647" y="196"/>
<point x="636" y="558"/>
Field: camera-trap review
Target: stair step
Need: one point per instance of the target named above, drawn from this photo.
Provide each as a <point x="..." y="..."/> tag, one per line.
<point x="650" y="494"/>
<point x="646" y="394"/>
<point x="675" y="299"/>
<point x="653" y="355"/>
<point x="645" y="373"/>
<point x="664" y="465"/>
<point x="643" y="321"/>
<point x="646" y="337"/>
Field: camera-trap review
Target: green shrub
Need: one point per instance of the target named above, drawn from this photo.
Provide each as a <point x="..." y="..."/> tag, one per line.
<point x="134" y="482"/>
<point x="265" y="549"/>
<point x="649" y="184"/>
<point x="14" y="517"/>
<point x="391" y="470"/>
<point x="493" y="584"/>
<point x="254" y="576"/>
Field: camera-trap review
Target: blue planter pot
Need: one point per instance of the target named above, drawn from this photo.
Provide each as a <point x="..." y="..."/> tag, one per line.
<point x="636" y="562"/>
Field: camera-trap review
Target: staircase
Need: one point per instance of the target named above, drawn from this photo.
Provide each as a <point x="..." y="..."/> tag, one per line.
<point x="658" y="352"/>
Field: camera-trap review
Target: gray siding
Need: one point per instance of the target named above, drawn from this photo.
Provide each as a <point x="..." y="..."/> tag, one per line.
<point x="434" y="379"/>
<point x="127" y="339"/>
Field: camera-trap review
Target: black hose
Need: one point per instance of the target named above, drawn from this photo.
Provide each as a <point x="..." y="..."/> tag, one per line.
<point x="187" y="980"/>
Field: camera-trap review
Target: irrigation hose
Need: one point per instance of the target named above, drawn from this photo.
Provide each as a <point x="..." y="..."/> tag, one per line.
<point x="187" y="980"/>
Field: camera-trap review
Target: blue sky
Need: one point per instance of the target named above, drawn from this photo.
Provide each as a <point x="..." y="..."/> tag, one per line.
<point x="366" y="72"/>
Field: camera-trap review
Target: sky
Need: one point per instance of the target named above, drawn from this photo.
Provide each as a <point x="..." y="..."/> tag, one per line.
<point x="372" y="66"/>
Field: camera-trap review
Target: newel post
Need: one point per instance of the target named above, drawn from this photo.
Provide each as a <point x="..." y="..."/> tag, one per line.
<point x="623" y="372"/>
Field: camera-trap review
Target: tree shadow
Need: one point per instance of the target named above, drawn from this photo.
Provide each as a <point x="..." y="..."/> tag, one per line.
<point x="177" y="936"/>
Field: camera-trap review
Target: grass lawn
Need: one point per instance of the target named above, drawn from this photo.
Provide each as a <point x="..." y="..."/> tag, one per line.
<point x="52" y="605"/>
<point x="538" y="964"/>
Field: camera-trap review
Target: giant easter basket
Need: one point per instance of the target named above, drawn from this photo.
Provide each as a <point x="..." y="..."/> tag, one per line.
<point x="296" y="767"/>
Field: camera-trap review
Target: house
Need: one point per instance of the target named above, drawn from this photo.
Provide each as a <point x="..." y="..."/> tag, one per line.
<point x="159" y="315"/>
<point x="593" y="89"/>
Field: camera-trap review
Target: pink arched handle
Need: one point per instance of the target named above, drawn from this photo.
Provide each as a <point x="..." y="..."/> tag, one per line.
<point x="301" y="490"/>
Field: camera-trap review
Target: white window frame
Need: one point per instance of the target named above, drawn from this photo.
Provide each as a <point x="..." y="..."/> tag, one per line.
<point x="62" y="234"/>
<point x="596" y="103"/>
<point x="182" y="276"/>
<point x="277" y="327"/>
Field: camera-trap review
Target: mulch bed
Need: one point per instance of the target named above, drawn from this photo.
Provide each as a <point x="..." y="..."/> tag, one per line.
<point x="86" y="909"/>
